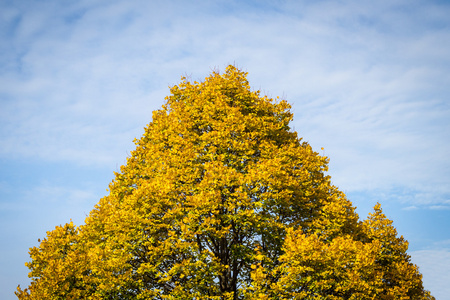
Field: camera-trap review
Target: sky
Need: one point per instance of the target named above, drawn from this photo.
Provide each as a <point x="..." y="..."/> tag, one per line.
<point x="369" y="81"/>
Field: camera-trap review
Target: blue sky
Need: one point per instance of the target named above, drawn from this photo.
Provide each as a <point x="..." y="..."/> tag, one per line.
<point x="368" y="80"/>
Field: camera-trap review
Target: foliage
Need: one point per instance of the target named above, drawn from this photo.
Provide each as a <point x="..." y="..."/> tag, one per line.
<point x="221" y="200"/>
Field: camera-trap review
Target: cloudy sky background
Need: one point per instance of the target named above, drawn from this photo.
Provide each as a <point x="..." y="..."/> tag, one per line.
<point x="368" y="80"/>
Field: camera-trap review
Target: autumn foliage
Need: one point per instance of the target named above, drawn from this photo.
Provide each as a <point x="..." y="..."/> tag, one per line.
<point x="221" y="200"/>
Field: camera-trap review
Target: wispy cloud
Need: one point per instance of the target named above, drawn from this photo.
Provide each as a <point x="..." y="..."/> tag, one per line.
<point x="434" y="266"/>
<point x="368" y="82"/>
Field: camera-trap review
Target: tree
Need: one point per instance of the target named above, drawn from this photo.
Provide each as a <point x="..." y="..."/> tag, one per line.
<point x="221" y="200"/>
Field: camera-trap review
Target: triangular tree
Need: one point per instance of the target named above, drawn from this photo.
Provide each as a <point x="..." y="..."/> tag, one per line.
<point x="221" y="200"/>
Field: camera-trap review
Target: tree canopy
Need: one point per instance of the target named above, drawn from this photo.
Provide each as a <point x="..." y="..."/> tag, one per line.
<point x="222" y="200"/>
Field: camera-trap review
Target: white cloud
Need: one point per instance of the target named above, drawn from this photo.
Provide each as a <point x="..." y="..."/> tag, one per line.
<point x="434" y="266"/>
<point x="412" y="207"/>
<point x="359" y="77"/>
<point x="440" y="207"/>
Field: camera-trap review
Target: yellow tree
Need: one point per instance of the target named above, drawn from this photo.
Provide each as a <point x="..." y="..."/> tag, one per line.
<point x="401" y="279"/>
<point x="58" y="266"/>
<point x="370" y="264"/>
<point x="219" y="200"/>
